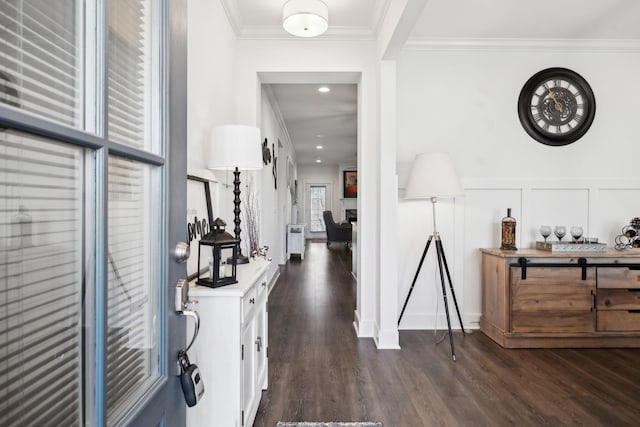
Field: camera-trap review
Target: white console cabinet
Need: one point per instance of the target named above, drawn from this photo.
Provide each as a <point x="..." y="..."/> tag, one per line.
<point x="231" y="348"/>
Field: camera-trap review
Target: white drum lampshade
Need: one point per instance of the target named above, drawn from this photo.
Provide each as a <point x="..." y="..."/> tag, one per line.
<point x="235" y="146"/>
<point x="305" y="18"/>
<point x="432" y="175"/>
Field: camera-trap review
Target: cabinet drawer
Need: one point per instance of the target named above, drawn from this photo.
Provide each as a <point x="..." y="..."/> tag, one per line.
<point x="248" y="302"/>
<point x="553" y="321"/>
<point x="619" y="299"/>
<point x="618" y="277"/>
<point x="619" y="320"/>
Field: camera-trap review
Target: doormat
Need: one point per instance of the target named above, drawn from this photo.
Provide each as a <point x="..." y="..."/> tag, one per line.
<point x="307" y="424"/>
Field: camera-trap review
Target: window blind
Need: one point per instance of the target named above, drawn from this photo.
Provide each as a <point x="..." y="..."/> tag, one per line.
<point x="132" y="347"/>
<point x="40" y="59"/>
<point x="128" y="58"/>
<point x="41" y="282"/>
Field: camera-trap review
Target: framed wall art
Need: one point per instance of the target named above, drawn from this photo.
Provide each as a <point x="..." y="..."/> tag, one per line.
<point x="199" y="218"/>
<point x="350" y="184"/>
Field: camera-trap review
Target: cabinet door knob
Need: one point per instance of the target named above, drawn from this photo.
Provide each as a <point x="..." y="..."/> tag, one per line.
<point x="252" y="301"/>
<point x="264" y="284"/>
<point x="607" y="302"/>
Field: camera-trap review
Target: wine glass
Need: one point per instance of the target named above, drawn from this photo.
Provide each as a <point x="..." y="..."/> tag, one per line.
<point x="576" y="233"/>
<point x="545" y="230"/>
<point x="560" y="231"/>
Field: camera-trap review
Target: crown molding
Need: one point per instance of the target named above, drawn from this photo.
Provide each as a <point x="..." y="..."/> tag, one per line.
<point x="379" y="16"/>
<point x="233" y="14"/>
<point x="518" y="45"/>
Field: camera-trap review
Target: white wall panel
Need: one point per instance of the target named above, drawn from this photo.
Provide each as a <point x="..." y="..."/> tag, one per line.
<point x="614" y="209"/>
<point x="561" y="206"/>
<point x="483" y="213"/>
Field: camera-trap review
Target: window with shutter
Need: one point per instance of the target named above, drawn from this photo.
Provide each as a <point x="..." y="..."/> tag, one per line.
<point x="41" y="58"/>
<point x="41" y="281"/>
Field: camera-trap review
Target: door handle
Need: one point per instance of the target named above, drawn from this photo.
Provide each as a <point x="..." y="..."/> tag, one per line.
<point x="181" y="252"/>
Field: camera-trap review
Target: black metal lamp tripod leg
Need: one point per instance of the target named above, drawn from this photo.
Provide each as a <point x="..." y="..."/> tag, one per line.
<point x="440" y="252"/>
<point x="415" y="278"/>
<point x="453" y="293"/>
<point x="442" y="260"/>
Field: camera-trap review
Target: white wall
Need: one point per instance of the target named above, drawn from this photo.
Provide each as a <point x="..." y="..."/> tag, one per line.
<point x="211" y="76"/>
<point x="211" y="95"/>
<point x="464" y="102"/>
<point x="276" y="205"/>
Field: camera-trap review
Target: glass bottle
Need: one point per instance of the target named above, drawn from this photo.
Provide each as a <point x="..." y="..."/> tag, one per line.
<point x="508" y="232"/>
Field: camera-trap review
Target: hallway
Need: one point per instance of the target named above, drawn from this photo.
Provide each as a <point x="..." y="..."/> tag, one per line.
<point x="320" y="371"/>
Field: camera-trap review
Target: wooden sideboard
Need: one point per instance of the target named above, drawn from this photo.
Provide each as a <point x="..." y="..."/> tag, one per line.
<point x="231" y="348"/>
<point x="533" y="298"/>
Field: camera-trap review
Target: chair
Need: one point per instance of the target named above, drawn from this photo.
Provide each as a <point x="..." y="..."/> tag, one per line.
<point x="336" y="232"/>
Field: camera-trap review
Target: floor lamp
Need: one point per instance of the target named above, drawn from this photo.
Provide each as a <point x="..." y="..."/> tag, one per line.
<point x="235" y="147"/>
<point x="433" y="177"/>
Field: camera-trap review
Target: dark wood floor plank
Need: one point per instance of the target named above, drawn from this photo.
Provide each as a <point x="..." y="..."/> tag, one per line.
<point x="320" y="371"/>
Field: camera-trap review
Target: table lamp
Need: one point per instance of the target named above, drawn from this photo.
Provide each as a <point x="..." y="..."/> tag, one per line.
<point x="236" y="147"/>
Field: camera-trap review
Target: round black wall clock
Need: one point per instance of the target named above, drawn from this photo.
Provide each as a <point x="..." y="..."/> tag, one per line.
<point x="556" y="106"/>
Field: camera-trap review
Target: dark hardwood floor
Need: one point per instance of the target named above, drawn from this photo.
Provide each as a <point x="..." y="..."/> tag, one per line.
<point x="320" y="371"/>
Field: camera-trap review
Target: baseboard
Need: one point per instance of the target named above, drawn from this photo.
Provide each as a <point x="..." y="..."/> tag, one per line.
<point x="274" y="279"/>
<point x="388" y="339"/>
<point x="364" y="329"/>
<point x="429" y="321"/>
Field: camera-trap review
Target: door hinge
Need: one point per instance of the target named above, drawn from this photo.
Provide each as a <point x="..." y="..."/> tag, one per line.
<point x="242" y="352"/>
<point x="242" y="417"/>
<point x="267" y="352"/>
<point x="267" y="307"/>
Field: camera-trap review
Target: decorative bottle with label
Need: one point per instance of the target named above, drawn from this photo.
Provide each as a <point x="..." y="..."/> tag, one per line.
<point x="508" y="232"/>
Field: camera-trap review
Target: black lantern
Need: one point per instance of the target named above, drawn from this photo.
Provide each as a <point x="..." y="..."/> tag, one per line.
<point x="223" y="257"/>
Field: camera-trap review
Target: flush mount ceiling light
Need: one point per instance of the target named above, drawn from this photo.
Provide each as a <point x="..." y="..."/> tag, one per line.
<point x="324" y="89"/>
<point x="319" y="147"/>
<point x="318" y="161"/>
<point x="305" y="18"/>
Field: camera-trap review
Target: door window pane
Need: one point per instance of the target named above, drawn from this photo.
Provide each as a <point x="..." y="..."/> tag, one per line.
<point x="41" y="281"/>
<point x="318" y="204"/>
<point x="40" y="58"/>
<point x="130" y="72"/>
<point x="133" y="264"/>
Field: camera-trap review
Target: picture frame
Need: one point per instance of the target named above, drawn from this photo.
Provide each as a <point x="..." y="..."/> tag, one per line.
<point x="199" y="220"/>
<point x="350" y="184"/>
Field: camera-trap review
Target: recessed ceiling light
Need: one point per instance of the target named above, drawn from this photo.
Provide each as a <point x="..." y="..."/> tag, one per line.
<point x="323" y="89"/>
<point x="319" y="147"/>
<point x="318" y="161"/>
